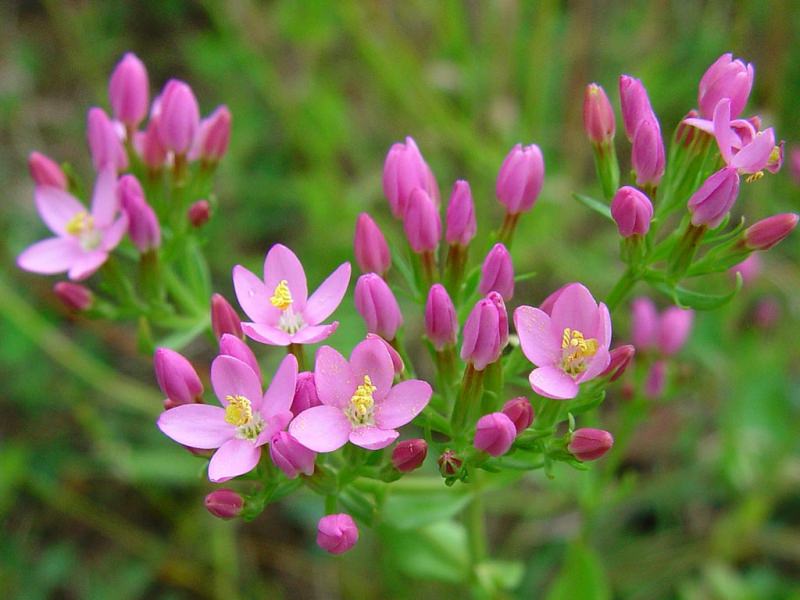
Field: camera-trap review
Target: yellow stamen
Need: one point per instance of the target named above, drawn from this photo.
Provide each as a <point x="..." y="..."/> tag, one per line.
<point x="282" y="297"/>
<point x="754" y="177"/>
<point x="80" y="223"/>
<point x="239" y="410"/>
<point x="576" y="350"/>
<point x="362" y="402"/>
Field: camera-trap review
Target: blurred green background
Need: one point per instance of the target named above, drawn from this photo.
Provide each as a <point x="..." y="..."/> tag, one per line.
<point x="95" y="503"/>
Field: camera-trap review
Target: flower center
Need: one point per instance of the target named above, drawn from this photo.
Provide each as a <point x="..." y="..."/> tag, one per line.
<point x="362" y="404"/>
<point x="754" y="177"/>
<point x="575" y="351"/>
<point x="281" y="297"/>
<point x="82" y="227"/>
<point x="239" y="413"/>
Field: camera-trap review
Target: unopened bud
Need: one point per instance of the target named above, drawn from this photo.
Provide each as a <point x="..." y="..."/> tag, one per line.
<point x="409" y="455"/>
<point x="621" y="357"/>
<point x="461" y="224"/>
<point x="290" y="456"/>
<point x="494" y="434"/>
<point x="371" y="250"/>
<point x="377" y="305"/>
<point x="179" y="117"/>
<point x="199" y="213"/>
<point x="128" y="90"/>
<point x="45" y="171"/>
<point x="598" y="116"/>
<point x="224" y="318"/>
<point x="337" y="533"/>
<point x="397" y="360"/>
<point x="590" y="444"/>
<point x="632" y="211"/>
<point x="74" y="295"/>
<point x="176" y="377"/>
<point x="449" y="464"/>
<point x="224" y="504"/>
<point x="230" y="345"/>
<point x="520" y="179"/>
<point x="520" y="411"/>
<point x="305" y="393"/>
<point x="768" y="232"/>
<point x="441" y="323"/>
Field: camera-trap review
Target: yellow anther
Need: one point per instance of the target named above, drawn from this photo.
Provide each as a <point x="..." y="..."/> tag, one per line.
<point x="80" y="223"/>
<point x="239" y="410"/>
<point x="362" y="402"/>
<point x="282" y="297"/>
<point x="754" y="177"/>
<point x="576" y="350"/>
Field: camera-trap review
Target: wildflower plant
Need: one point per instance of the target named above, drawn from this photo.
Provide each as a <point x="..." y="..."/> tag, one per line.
<point x="511" y="386"/>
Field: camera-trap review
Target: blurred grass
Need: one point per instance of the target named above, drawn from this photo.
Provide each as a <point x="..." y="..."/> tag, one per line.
<point x="96" y="503"/>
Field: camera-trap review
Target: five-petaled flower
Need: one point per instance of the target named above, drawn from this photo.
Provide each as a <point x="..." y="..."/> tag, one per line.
<point x="246" y="420"/>
<point x="279" y="306"/>
<point x="359" y="403"/>
<point x="569" y="344"/>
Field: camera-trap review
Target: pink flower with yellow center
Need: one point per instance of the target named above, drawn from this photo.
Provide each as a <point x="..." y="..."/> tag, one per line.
<point x="569" y="344"/>
<point x="279" y="306"/>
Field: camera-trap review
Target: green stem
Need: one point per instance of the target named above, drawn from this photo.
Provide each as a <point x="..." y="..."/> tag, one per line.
<point x="621" y="290"/>
<point x="299" y="353"/>
<point x="475" y="523"/>
<point x="506" y="232"/>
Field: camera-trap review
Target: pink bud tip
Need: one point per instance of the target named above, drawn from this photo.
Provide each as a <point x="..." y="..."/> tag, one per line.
<point x="179" y="117"/>
<point x="497" y="273"/>
<point x="224" y="503"/>
<point x="632" y="211"/>
<point x="213" y="136"/>
<point x="520" y="411"/>
<point x="377" y="305"/>
<point x="449" y="464"/>
<point x="409" y="455"/>
<point x="590" y="444"/>
<point x="176" y="377"/>
<point x="337" y="533"/>
<point x="129" y="90"/>
<point x="371" y="250"/>
<point x="768" y="232"/>
<point x="74" y="295"/>
<point x="45" y="171"/>
<point x="305" y="393"/>
<point x="726" y="78"/>
<point x="441" y="323"/>
<point x="231" y="345"/>
<point x="494" y="434"/>
<point x="404" y="170"/>
<point x="461" y="224"/>
<point x="224" y="318"/>
<point x="421" y="222"/>
<point x="199" y="213"/>
<point x="675" y="326"/>
<point x="621" y="358"/>
<point x="598" y="116"/>
<point x="520" y="179"/>
<point x="105" y="143"/>
<point x="143" y="227"/>
<point x="148" y="145"/>
<point x="481" y="339"/>
<point x="635" y="104"/>
<point x="290" y="456"/>
<point x="647" y="154"/>
<point x="714" y="199"/>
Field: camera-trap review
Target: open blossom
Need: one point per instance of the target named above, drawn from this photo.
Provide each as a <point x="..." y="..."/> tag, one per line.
<point x="569" y="346"/>
<point x="279" y="305"/>
<point x="246" y="420"/>
<point x="741" y="146"/>
<point x="726" y="78"/>
<point x="359" y="402"/>
<point x="83" y="238"/>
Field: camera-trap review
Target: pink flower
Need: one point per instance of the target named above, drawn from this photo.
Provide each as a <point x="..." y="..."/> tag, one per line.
<point x="224" y="318"/>
<point x="177" y="378"/>
<point x="632" y="211"/>
<point x="290" y="456"/>
<point x="647" y="153"/>
<point x="741" y="147"/>
<point x="46" y="171"/>
<point x="768" y="232"/>
<point x="83" y="238"/>
<point x="520" y="178"/>
<point x="370" y="247"/>
<point x="520" y="411"/>
<point x="441" y="321"/>
<point x="421" y="222"/>
<point x="635" y="104"/>
<point x="409" y="455"/>
<point x="569" y="346"/>
<point x="644" y="323"/>
<point x="337" y="533"/>
<point x="461" y="224"/>
<point x="279" y="306"/>
<point x="494" y="433"/>
<point x="590" y="444"/>
<point x="497" y="273"/>
<point x="726" y="78"/>
<point x="598" y="115"/>
<point x="404" y="170"/>
<point x="178" y="117"/>
<point x="128" y="90"/>
<point x="359" y="403"/>
<point x="105" y="142"/>
<point x="674" y="329"/>
<point x="714" y="199"/>
<point x="377" y="305"/>
<point x="485" y="332"/>
<point x="213" y="136"/>
<point x="246" y="420"/>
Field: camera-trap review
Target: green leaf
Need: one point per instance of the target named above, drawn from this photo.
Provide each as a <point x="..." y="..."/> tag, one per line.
<point x="437" y="551"/>
<point x="595" y="205"/>
<point x="582" y="576"/>
<point x="499" y="574"/>
<point x="697" y="300"/>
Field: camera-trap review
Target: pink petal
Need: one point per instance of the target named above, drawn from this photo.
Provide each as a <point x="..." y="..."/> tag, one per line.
<point x="266" y="334"/>
<point x="371" y="358"/>
<point x="196" y="425"/>
<point x="282" y="264"/>
<point x="334" y="378"/>
<point x="321" y="428"/>
<point x="539" y="343"/>
<point x="726" y="138"/>
<point x="56" y="207"/>
<point x="373" y="438"/>
<point x="701" y="124"/>
<point x="235" y="457"/>
<point x="113" y="235"/>
<point x="232" y="377"/>
<point x="755" y="156"/>
<point x="105" y="202"/>
<point x="576" y="309"/>
<point x="404" y="402"/>
<point x="552" y="382"/>
<point x="87" y="264"/>
<point x="328" y="296"/>
<point x="254" y="297"/>
<point x="53" y="255"/>
<point x="598" y="363"/>
<point x="278" y="397"/>
<point x="602" y="329"/>
<point x="314" y="333"/>
<point x="273" y="425"/>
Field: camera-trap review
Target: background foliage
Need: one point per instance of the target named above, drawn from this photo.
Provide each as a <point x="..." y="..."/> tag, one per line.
<point x="95" y="503"/>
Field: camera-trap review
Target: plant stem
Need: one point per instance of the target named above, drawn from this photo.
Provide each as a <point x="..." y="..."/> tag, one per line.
<point x="475" y="523"/>
<point x="621" y="290"/>
<point x="299" y="353"/>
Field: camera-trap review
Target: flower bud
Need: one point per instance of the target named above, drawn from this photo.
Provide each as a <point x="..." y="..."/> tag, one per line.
<point x="45" y="171"/>
<point x="371" y="250"/>
<point x="598" y="116"/>
<point x="520" y="179"/>
<point x="421" y="222"/>
<point x="714" y="199"/>
<point x="726" y="78"/>
<point x="290" y="456"/>
<point x="224" y="503"/>
<point x="635" y="104"/>
<point x="337" y="533"/>
<point x="409" y="455"/>
<point x="768" y="232"/>
<point x="647" y="154"/>
<point x="590" y="444"/>
<point x="129" y="90"/>
<point x="377" y="305"/>
<point x="404" y="170"/>
<point x="632" y="211"/>
<point x="199" y="213"/>
<point x="230" y="345"/>
<point x="149" y="147"/>
<point x="674" y="328"/>
<point x="74" y="295"/>
<point x="213" y="136"/>
<point x="441" y="323"/>
<point x="621" y="357"/>
<point x="794" y="165"/>
<point x="224" y="318"/>
<point x="481" y="343"/>
<point x="644" y="324"/>
<point x="548" y="303"/>
<point x="143" y="227"/>
<point x="656" y="379"/>
<point x="449" y="464"/>
<point x="520" y="411"/>
<point x="497" y="273"/>
<point x="494" y="434"/>
<point x="105" y="144"/>
<point x="176" y="377"/>
<point x="305" y="393"/>
<point x="461" y="224"/>
<point x="179" y="117"/>
<point x="502" y="317"/>
<point x="397" y="360"/>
